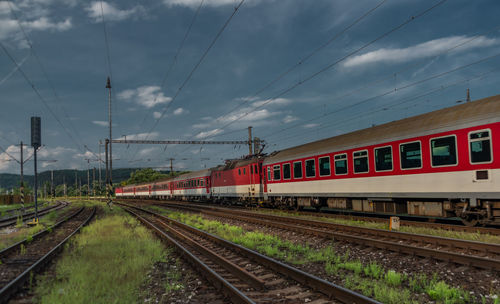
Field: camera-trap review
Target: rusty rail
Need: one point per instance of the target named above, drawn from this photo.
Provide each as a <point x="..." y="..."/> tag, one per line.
<point x="331" y="290"/>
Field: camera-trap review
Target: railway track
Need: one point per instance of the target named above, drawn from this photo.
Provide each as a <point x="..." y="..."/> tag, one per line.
<point x="12" y="220"/>
<point x="469" y="253"/>
<point x="15" y="211"/>
<point x="409" y="223"/>
<point x="20" y="260"/>
<point x="459" y="227"/>
<point x="243" y="275"/>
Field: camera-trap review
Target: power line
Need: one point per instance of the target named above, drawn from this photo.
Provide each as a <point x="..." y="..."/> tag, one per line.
<point x="174" y="60"/>
<point x="219" y="33"/>
<point x="298" y="64"/>
<point x="307" y="57"/>
<point x="329" y="66"/>
<point x="386" y="107"/>
<point x="39" y="95"/>
<point x="172" y="64"/>
<point x="196" y="66"/>
<point x="32" y="51"/>
<point x="388" y="92"/>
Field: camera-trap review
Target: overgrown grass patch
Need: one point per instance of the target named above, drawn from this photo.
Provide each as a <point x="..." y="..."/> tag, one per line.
<point x="105" y="263"/>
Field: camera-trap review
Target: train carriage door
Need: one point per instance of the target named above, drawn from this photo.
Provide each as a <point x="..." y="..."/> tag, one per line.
<point x="149" y="189"/>
<point x="263" y="180"/>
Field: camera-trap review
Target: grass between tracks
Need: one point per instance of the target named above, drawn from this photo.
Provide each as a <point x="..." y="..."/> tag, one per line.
<point x="106" y="263"/>
<point x="469" y="236"/>
<point x="386" y="286"/>
<point x="23" y="231"/>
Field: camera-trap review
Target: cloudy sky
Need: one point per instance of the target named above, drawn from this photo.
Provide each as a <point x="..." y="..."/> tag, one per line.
<point x="295" y="70"/>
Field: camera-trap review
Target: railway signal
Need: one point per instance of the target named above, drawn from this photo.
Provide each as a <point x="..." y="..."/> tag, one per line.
<point x="36" y="142"/>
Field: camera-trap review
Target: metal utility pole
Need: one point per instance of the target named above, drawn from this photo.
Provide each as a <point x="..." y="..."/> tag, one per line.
<point x="21" y="188"/>
<point x="52" y="194"/>
<point x="93" y="181"/>
<point x="468" y="95"/>
<point x="171" y="167"/>
<point x="250" y="141"/>
<point x="36" y="142"/>
<point x="108" y="86"/>
<point x="100" y="160"/>
<point x="88" y="179"/>
<point x="107" y="168"/>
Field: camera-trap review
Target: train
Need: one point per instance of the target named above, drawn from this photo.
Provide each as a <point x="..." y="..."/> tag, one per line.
<point x="444" y="163"/>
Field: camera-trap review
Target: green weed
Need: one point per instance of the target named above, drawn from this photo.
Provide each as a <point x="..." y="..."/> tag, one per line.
<point x="22" y="249"/>
<point x="373" y="270"/>
<point x="354" y="266"/>
<point x="19" y="221"/>
<point x="393" y="278"/>
<point x="441" y="291"/>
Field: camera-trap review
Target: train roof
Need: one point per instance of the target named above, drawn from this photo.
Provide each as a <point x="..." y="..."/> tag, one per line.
<point x="482" y="111"/>
<point x="194" y="174"/>
<point x="235" y="163"/>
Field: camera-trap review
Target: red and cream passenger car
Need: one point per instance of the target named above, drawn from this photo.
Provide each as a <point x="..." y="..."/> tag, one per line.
<point x="441" y="163"/>
<point x="191" y="186"/>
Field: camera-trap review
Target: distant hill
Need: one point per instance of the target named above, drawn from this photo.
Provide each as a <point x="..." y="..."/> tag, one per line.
<point x="8" y="181"/>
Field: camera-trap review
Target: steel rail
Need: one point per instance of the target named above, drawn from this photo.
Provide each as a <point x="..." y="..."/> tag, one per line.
<point x="329" y="289"/>
<point x="348" y="236"/>
<point x="10" y="289"/>
<point x="219" y="282"/>
<point x="404" y="236"/>
<point x="385" y="219"/>
<point x="29" y="215"/>
<point x="241" y="273"/>
<point x="372" y="217"/>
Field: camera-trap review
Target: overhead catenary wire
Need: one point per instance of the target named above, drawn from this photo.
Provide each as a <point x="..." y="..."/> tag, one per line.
<point x="331" y="65"/>
<point x="44" y="72"/>
<point x="174" y="60"/>
<point x="171" y="65"/>
<point x="385" y="93"/>
<point x="386" y="107"/>
<point x="219" y="33"/>
<point x="305" y="58"/>
<point x="40" y="97"/>
<point x="193" y="70"/>
<point x="296" y="65"/>
<point x="380" y="79"/>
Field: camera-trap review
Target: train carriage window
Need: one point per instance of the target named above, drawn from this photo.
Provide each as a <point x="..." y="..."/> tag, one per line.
<point x="360" y="159"/>
<point x="251" y="169"/>
<point x="310" y="168"/>
<point x="276" y="172"/>
<point x="239" y="171"/>
<point x="286" y="171"/>
<point x="297" y="169"/>
<point x="480" y="147"/>
<point x="444" y="151"/>
<point x="268" y="173"/>
<point x="244" y="171"/>
<point x="383" y="159"/>
<point x="411" y="155"/>
<point x="324" y="166"/>
<point x="340" y="164"/>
